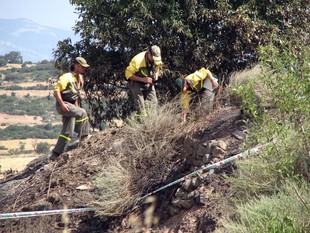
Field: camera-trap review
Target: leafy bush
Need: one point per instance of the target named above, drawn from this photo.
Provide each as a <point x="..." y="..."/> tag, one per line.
<point x="286" y="211"/>
<point x="33" y="106"/>
<point x="15" y="77"/>
<point x="13" y="87"/>
<point x="248" y="88"/>
<point x="3" y="62"/>
<point x="37" y="87"/>
<point x="285" y="130"/>
<point x="43" y="147"/>
<point x="24" y="132"/>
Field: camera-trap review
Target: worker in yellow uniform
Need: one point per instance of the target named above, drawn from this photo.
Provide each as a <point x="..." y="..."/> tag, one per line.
<point x="67" y="95"/>
<point x="201" y="86"/>
<point x="142" y="74"/>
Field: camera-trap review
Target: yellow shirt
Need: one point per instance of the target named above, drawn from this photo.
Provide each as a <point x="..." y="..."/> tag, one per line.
<point x="193" y="80"/>
<point x="68" y="78"/>
<point x="138" y="64"/>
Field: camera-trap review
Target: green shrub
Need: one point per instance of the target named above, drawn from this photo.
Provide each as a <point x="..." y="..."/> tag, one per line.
<point x="15" y="77"/>
<point x="42" y="148"/>
<point x="25" y="131"/>
<point x="33" y="106"/>
<point x="285" y="211"/>
<point x="260" y="182"/>
<point x="14" y="87"/>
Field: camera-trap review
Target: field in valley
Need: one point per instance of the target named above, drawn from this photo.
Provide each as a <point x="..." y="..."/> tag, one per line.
<point x="15" y="119"/>
<point x="18" y="161"/>
<point x="29" y="144"/>
<point x="22" y="93"/>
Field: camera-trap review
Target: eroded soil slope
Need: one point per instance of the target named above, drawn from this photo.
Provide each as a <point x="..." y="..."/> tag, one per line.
<point x="68" y="181"/>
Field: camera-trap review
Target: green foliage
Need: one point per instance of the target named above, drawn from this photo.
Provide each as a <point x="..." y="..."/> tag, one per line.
<point x="3" y="62"/>
<point x="249" y="104"/>
<point x="286" y="211"/>
<point x="39" y="72"/>
<point x="285" y="131"/>
<point x="14" y="57"/>
<point x="37" y="87"/>
<point x="253" y="177"/>
<point x="286" y="225"/>
<point x="290" y="83"/>
<point x="13" y="87"/>
<point x="34" y="106"/>
<point x="42" y="147"/>
<point x="15" y="77"/>
<point x="24" y="132"/>
<point x="221" y="35"/>
<point x="17" y="87"/>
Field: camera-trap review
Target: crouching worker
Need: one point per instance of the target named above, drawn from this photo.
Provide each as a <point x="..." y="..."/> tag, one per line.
<point x="67" y="95"/>
<point x="142" y="74"/>
<point x="199" y="87"/>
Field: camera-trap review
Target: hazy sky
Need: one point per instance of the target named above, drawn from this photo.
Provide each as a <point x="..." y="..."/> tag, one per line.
<point x="52" y="13"/>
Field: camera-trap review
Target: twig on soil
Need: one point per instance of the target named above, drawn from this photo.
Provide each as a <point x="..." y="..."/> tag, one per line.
<point x="18" y="197"/>
<point x="50" y="181"/>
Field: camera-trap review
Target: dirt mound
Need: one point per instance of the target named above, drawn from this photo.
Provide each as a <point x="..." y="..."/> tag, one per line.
<point x="67" y="182"/>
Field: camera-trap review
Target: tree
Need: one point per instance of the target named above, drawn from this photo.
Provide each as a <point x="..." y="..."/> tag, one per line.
<point x="3" y="62"/>
<point x="221" y="35"/>
<point x="14" y="57"/>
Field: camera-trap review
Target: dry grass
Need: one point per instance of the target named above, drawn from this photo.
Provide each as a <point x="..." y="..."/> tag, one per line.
<point x="142" y="161"/>
<point x="114" y="184"/>
<point x="250" y="83"/>
<point x="17" y="163"/>
<point x="252" y="75"/>
<point x="150" y="146"/>
<point x="244" y="76"/>
<point x="10" y="66"/>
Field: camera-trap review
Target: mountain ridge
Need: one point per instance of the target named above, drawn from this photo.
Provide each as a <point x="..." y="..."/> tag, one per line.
<point x="35" y="42"/>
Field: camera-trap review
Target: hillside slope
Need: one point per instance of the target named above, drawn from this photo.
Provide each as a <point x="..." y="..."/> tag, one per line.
<point x="192" y="207"/>
<point x="35" y="42"/>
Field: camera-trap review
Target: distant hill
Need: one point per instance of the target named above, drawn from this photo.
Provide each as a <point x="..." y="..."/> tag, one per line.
<point x="35" y="42"/>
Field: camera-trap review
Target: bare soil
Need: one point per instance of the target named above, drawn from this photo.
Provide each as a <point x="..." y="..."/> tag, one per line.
<point x="54" y="185"/>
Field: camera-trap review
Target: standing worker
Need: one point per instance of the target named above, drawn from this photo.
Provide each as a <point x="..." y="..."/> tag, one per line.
<point x="200" y="86"/>
<point x="67" y="95"/>
<point x="142" y="73"/>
